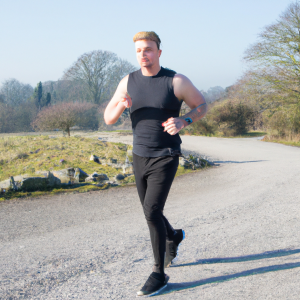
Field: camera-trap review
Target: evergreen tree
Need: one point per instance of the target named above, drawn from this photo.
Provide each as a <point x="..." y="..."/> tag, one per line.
<point x="38" y="94"/>
<point x="48" y="99"/>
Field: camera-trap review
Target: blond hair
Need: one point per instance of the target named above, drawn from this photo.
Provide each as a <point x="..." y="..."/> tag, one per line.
<point x="147" y="35"/>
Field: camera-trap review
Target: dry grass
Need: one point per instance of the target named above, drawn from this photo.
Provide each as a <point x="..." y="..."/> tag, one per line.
<point x="291" y="140"/>
<point x="28" y="154"/>
<point x="249" y="134"/>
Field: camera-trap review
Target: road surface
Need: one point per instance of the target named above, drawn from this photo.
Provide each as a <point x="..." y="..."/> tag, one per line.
<point x="242" y="233"/>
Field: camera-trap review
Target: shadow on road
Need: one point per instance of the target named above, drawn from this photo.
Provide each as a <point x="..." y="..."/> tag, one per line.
<point x="236" y="162"/>
<point x="172" y="287"/>
<point x="269" y="254"/>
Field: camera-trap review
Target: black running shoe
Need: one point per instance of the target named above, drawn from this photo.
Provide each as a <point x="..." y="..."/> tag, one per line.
<point x="172" y="246"/>
<point x="154" y="284"/>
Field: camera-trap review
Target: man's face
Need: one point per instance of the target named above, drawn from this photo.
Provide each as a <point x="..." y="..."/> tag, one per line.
<point x="147" y="53"/>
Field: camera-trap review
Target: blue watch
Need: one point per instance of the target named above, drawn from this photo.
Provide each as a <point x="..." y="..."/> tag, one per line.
<point x="189" y="120"/>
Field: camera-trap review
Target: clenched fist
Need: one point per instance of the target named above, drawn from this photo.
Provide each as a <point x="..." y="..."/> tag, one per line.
<point x="127" y="101"/>
<point x="174" y="125"/>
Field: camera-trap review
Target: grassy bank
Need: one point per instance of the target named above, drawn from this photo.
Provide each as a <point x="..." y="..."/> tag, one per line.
<point x="28" y="154"/>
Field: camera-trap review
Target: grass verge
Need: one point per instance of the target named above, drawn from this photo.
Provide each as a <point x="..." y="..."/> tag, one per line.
<point x="28" y="154"/>
<point x="286" y="141"/>
<point x="79" y="188"/>
<point x="249" y="134"/>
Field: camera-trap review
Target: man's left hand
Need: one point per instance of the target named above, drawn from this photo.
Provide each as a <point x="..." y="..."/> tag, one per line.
<point x="174" y="125"/>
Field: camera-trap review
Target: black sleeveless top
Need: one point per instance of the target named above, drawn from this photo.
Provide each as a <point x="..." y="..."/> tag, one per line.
<point x="153" y="102"/>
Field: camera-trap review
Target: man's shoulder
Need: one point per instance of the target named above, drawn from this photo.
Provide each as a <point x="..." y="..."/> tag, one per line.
<point x="180" y="79"/>
<point x="168" y="72"/>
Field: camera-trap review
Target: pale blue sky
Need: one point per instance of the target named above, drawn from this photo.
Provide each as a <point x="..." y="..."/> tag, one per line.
<point x="204" y="40"/>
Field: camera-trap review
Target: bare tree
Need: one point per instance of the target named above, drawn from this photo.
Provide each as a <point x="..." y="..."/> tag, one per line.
<point x="275" y="58"/>
<point x="214" y="93"/>
<point x="121" y="68"/>
<point x="14" y="92"/>
<point x="65" y="115"/>
<point x="98" y="71"/>
<point x="2" y="98"/>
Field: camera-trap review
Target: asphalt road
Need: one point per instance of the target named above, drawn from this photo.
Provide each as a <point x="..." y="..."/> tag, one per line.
<point x="241" y="220"/>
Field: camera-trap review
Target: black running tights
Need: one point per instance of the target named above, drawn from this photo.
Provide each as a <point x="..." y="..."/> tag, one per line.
<point x="154" y="177"/>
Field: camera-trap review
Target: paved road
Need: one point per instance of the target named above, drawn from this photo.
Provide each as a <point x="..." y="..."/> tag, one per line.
<point x="241" y="219"/>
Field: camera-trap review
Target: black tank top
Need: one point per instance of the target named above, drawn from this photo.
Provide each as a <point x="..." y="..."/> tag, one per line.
<point x="153" y="102"/>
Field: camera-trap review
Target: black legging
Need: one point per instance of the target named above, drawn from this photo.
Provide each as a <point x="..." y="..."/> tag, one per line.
<point x="154" y="177"/>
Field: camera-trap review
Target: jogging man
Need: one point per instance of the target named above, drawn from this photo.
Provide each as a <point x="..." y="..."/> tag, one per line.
<point x="154" y="95"/>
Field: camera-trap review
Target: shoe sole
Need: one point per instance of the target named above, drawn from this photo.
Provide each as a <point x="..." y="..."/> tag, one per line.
<point x="156" y="292"/>
<point x="178" y="248"/>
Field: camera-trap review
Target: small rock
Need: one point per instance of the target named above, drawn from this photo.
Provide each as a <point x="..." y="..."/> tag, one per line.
<point x="119" y="177"/>
<point x="12" y="184"/>
<point x="112" y="183"/>
<point x="127" y="162"/>
<point x="122" y="147"/>
<point x="129" y="155"/>
<point x="33" y="184"/>
<point x="95" y="159"/>
<point x="80" y="175"/>
<point x="66" y="176"/>
<point x="113" y="160"/>
<point x="99" y="177"/>
<point x="127" y="169"/>
<point x="90" y="179"/>
<point x="5" y="184"/>
<point x="186" y="163"/>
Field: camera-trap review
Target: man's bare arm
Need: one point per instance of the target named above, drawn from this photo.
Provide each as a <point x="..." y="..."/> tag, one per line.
<point x="118" y="103"/>
<point x="195" y="114"/>
<point x="186" y="91"/>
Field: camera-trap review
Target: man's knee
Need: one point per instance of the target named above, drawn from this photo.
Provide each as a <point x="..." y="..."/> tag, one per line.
<point x="152" y="213"/>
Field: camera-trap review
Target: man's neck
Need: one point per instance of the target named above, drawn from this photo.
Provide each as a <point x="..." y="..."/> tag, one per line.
<point x="150" y="71"/>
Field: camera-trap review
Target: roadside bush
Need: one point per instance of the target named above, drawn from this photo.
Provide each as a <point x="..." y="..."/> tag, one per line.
<point x="205" y="126"/>
<point x="234" y="117"/>
<point x="6" y="122"/>
<point x="278" y="122"/>
<point x="16" y="118"/>
<point x="66" y="115"/>
<point x="285" y="122"/>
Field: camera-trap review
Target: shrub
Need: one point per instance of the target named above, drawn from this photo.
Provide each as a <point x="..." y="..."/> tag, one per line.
<point x="205" y="126"/>
<point x="285" y="122"/>
<point x="234" y="117"/>
<point x="66" y="115"/>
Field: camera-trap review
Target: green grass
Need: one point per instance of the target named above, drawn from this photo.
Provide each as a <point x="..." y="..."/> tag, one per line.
<point x="80" y="188"/>
<point x="27" y="154"/>
<point x="181" y="171"/>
